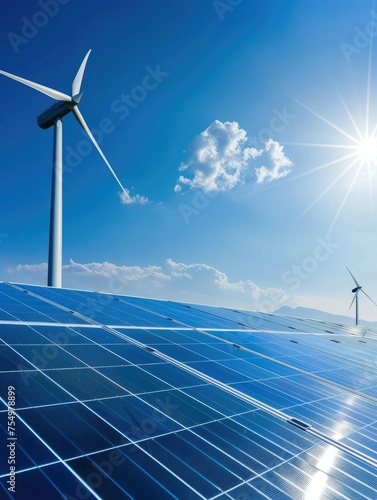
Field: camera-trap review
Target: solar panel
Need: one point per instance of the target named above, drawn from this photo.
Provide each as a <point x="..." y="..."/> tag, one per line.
<point x="109" y="396"/>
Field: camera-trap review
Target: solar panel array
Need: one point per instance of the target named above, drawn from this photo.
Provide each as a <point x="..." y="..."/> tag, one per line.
<point x="124" y="397"/>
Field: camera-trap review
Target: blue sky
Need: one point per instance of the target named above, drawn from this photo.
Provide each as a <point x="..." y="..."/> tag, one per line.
<point x="208" y="112"/>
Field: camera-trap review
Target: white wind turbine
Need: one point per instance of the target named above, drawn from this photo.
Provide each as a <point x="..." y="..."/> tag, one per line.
<point x="356" y="291"/>
<point x="53" y="116"/>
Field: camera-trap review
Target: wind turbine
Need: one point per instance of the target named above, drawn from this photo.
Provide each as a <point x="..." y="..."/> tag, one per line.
<point x="356" y="290"/>
<point x="53" y="116"/>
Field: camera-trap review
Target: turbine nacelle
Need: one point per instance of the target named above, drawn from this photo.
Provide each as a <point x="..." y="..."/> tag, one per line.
<point x="357" y="289"/>
<point x="58" y="110"/>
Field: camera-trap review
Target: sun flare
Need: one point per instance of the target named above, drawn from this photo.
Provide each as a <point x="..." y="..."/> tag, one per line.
<point x="367" y="150"/>
<point x="357" y="151"/>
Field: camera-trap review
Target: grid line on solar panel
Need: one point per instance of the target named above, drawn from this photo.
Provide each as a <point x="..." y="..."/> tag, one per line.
<point x="167" y="449"/>
<point x="135" y="472"/>
<point x="351" y="451"/>
<point x="22" y="306"/>
<point x="53" y="375"/>
<point x="137" y="436"/>
<point x="336" y="482"/>
<point x="27" y="469"/>
<point x="346" y="351"/>
<point x="181" y="316"/>
<point x="252" y="459"/>
<point x="58" y="354"/>
<point x="54" y="482"/>
<point x="77" y="314"/>
<point x="245" y="318"/>
<point x="305" y="469"/>
<point x="88" y="319"/>
<point x="225" y="420"/>
<point x="170" y="359"/>
<point x="43" y="323"/>
<point x="277" y="379"/>
<point x="303" y="324"/>
<point x="179" y="364"/>
<point x="283" y="492"/>
<point x="217" y="309"/>
<point x="333" y="350"/>
<point x="362" y="442"/>
<point x="92" y="306"/>
<point x="217" y="466"/>
<point x="32" y="456"/>
<point x="319" y="411"/>
<point x="256" y="351"/>
<point x="20" y="418"/>
<point x="355" y="452"/>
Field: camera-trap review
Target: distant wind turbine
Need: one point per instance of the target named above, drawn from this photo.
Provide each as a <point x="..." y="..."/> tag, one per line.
<point x="53" y="116"/>
<point x="356" y="290"/>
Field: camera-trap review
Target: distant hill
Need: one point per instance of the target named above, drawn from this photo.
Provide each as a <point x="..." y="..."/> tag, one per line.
<point x="305" y="312"/>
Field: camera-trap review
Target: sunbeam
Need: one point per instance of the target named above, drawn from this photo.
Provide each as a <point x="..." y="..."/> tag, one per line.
<point x="326" y="190"/>
<point x="360" y="152"/>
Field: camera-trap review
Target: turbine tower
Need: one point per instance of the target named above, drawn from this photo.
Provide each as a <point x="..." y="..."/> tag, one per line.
<point x="356" y="290"/>
<point x="53" y="117"/>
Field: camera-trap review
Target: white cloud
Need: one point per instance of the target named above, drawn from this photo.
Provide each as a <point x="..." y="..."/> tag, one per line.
<point x="219" y="159"/>
<point x="32" y="268"/>
<point x="108" y="270"/>
<point x="197" y="283"/>
<point x="127" y="199"/>
<point x="280" y="164"/>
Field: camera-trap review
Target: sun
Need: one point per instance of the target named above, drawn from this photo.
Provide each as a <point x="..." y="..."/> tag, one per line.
<point x="367" y="150"/>
<point x="356" y="152"/>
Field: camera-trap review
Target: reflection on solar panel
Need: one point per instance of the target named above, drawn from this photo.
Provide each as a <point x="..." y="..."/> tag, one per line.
<point x="124" y="397"/>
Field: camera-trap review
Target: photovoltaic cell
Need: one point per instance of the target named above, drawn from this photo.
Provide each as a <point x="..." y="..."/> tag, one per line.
<point x="124" y="397"/>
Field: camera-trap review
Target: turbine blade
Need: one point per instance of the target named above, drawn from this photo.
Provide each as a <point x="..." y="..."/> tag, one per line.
<point x="353" y="277"/>
<point x="76" y="85"/>
<point x="82" y="122"/>
<point x="353" y="300"/>
<point x="55" y="94"/>
<point x="369" y="297"/>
